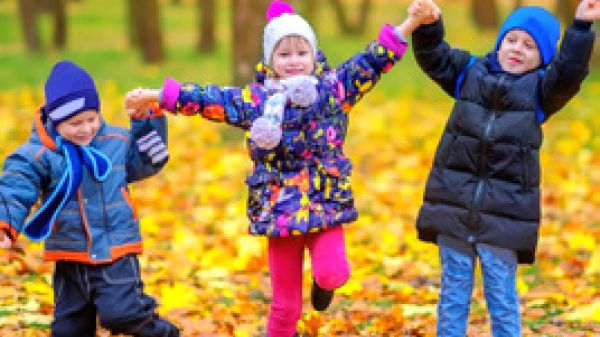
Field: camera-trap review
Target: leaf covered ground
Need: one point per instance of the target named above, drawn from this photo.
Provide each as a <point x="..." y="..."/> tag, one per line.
<point x="211" y="279"/>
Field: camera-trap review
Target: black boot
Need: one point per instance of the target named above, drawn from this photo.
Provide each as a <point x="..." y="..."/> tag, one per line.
<point x="319" y="297"/>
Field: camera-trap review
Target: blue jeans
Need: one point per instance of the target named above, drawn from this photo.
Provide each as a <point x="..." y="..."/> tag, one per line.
<point x="113" y="292"/>
<point x="499" y="269"/>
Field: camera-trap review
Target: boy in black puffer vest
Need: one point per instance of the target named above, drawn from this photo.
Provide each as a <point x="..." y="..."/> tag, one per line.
<point x="482" y="197"/>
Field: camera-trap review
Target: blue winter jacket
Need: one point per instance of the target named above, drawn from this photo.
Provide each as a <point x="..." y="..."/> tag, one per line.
<point x="100" y="224"/>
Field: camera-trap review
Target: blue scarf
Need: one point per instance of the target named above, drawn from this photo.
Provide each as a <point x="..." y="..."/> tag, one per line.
<point x="39" y="225"/>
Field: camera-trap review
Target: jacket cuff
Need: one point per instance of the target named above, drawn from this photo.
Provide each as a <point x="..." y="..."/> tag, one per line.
<point x="582" y="25"/>
<point x="392" y="41"/>
<point x="12" y="233"/>
<point x="169" y="94"/>
<point x="428" y="36"/>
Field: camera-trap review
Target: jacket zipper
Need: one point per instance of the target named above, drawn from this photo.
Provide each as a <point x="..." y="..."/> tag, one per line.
<point x="478" y="194"/>
<point x="103" y="202"/>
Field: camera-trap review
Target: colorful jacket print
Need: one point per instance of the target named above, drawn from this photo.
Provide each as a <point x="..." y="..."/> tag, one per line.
<point x="302" y="185"/>
<point x="100" y="224"/>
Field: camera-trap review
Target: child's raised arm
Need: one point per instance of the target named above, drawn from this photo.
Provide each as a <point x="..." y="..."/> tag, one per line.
<point x="420" y="12"/>
<point x="588" y="10"/>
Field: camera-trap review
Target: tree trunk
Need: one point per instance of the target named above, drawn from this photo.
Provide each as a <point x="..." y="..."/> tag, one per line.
<point x="28" y="14"/>
<point x="58" y="10"/>
<point x="342" y="14"/>
<point x="247" y="30"/>
<point x="485" y="13"/>
<point x="146" y="29"/>
<point x="518" y="3"/>
<point x="134" y="22"/>
<point x="206" y="17"/>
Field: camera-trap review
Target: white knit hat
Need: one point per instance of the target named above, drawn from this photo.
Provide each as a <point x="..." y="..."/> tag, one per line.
<point x="284" y="22"/>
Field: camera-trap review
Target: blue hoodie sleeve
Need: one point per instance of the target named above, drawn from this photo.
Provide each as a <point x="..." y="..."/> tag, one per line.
<point x="148" y="151"/>
<point x="565" y="74"/>
<point x="439" y="61"/>
<point x="21" y="180"/>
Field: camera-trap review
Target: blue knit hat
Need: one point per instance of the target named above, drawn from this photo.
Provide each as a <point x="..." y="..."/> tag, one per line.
<point x="542" y="25"/>
<point x="69" y="90"/>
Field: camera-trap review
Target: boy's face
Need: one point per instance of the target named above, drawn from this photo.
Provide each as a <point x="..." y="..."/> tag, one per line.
<point x="81" y="128"/>
<point x="518" y="52"/>
<point x="292" y="56"/>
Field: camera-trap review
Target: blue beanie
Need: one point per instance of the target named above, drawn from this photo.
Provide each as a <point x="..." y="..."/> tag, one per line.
<point x="69" y="90"/>
<point x="542" y="25"/>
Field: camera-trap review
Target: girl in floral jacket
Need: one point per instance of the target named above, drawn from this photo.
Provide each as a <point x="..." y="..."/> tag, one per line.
<point x="296" y="115"/>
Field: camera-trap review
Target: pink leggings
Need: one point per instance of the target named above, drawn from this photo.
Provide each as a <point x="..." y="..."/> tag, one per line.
<point x="330" y="269"/>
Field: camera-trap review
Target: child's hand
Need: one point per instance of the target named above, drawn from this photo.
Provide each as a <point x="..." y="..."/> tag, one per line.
<point x="588" y="10"/>
<point x="5" y="242"/>
<point x="138" y="101"/>
<point x="420" y="12"/>
<point x="424" y="12"/>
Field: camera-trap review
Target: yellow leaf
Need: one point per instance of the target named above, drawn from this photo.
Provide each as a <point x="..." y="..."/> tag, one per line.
<point x="522" y="287"/>
<point x="581" y="241"/>
<point x="593" y="268"/>
<point x="350" y="287"/>
<point x="585" y="313"/>
<point x="149" y="225"/>
<point x="179" y="295"/>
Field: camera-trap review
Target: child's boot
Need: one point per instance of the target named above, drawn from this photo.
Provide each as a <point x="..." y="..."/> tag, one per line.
<point x="319" y="297"/>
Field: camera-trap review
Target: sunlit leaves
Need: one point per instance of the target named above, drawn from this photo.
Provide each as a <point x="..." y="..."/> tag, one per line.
<point x="210" y="277"/>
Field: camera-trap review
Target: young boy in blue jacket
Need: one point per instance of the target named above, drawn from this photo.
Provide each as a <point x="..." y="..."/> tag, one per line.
<point x="482" y="198"/>
<point x="80" y="167"/>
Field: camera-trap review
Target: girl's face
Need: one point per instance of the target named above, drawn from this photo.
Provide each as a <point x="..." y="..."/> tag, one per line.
<point x="292" y="56"/>
<point x="518" y="52"/>
<point x="81" y="128"/>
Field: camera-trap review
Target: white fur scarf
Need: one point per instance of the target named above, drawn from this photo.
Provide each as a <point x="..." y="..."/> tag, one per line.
<point x="298" y="90"/>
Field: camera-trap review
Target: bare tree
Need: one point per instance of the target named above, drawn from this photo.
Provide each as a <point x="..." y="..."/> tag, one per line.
<point x="485" y="13"/>
<point x="357" y="27"/>
<point x="59" y="13"/>
<point x="134" y="22"/>
<point x="248" y="22"/>
<point x="145" y="29"/>
<point x="206" y="26"/>
<point x="29" y="11"/>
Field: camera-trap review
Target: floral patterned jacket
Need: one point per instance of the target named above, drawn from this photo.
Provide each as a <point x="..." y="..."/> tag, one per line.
<point x="303" y="184"/>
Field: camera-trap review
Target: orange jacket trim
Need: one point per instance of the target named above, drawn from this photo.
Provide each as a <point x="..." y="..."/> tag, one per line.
<point x="12" y="233"/>
<point x="116" y="253"/>
<point x="130" y="202"/>
<point x="45" y="138"/>
<point x="113" y="135"/>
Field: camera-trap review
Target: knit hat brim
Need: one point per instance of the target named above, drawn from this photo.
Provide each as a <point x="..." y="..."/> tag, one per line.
<point x="69" y="90"/>
<point x="538" y="22"/>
